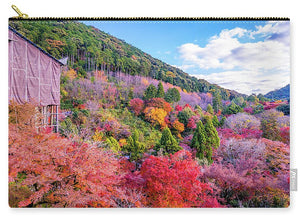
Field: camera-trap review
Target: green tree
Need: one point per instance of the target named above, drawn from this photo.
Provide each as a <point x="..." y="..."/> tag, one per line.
<point x="150" y="92"/>
<point x="160" y="91"/>
<point x="212" y="139"/>
<point x="253" y="98"/>
<point x="233" y="109"/>
<point x="168" y="144"/>
<point x="113" y="144"/>
<point x="134" y="147"/>
<point x="262" y="98"/>
<point x="222" y="121"/>
<point x="199" y="141"/>
<point x="258" y="109"/>
<point x="217" y="101"/>
<point x="172" y="95"/>
<point x="209" y="109"/>
<point x="239" y="100"/>
<point x="215" y="121"/>
<point x="204" y="139"/>
<point x="284" y="108"/>
<point x="185" y="115"/>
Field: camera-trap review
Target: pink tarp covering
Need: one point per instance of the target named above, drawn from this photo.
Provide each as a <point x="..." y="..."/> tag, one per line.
<point x="33" y="75"/>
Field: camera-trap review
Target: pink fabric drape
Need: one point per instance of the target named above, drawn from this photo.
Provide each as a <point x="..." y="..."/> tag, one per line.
<point x="33" y="75"/>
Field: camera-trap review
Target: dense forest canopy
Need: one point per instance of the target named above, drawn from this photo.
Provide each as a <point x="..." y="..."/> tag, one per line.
<point x="89" y="48"/>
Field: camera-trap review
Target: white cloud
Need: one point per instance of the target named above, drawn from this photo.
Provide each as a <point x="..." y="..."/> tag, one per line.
<point x="247" y="82"/>
<point x="211" y="56"/>
<point x="244" y="64"/>
<point x="278" y="31"/>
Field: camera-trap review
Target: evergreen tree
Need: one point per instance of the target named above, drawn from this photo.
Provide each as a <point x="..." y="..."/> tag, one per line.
<point x="198" y="110"/>
<point x="215" y="121"/>
<point x="233" y="109"/>
<point x="217" y="101"/>
<point x="134" y="147"/>
<point x="199" y="141"/>
<point x="172" y="95"/>
<point x="150" y="92"/>
<point x="204" y="139"/>
<point x="212" y="138"/>
<point x="222" y="121"/>
<point x="160" y="91"/>
<point x="167" y="144"/>
<point x="209" y="109"/>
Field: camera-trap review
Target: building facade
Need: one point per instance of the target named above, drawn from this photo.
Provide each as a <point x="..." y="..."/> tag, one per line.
<point x="34" y="76"/>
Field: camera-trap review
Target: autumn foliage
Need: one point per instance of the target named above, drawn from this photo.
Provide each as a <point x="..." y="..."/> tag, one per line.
<point x="136" y="105"/>
<point x="174" y="181"/>
<point x="57" y="172"/>
<point x="127" y="140"/>
<point x="156" y="116"/>
<point x="251" y="173"/>
<point x="60" y="173"/>
<point x="159" y="103"/>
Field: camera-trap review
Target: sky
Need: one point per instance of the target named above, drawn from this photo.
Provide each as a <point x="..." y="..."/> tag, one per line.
<point x="246" y="56"/>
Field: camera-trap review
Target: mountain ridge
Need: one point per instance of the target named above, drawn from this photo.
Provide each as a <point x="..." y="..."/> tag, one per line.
<point x="279" y="94"/>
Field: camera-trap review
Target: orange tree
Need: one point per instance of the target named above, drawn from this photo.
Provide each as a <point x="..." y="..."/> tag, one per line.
<point x="159" y="103"/>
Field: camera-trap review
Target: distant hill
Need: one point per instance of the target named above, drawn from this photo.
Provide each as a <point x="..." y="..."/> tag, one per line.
<point x="279" y="94"/>
<point x="89" y="48"/>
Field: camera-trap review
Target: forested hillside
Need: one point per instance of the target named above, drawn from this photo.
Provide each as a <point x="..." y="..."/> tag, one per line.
<point x="279" y="94"/>
<point x="89" y="48"/>
<point x="136" y="132"/>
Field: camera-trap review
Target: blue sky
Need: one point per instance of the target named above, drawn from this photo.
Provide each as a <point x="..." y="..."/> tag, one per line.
<point x="247" y="56"/>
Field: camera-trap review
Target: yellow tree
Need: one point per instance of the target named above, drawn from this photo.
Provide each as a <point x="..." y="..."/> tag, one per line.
<point x="156" y="116"/>
<point x="70" y="74"/>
